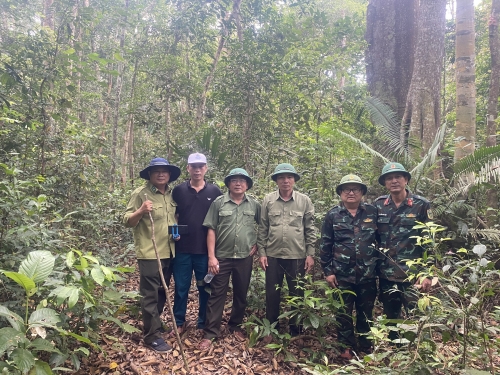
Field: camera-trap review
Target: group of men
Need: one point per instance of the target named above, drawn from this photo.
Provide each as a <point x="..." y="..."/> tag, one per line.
<point x="224" y="231"/>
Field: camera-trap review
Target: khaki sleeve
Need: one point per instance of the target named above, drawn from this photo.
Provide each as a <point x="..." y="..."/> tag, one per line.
<point x="263" y="230"/>
<point x="309" y="228"/>
<point x="212" y="218"/>
<point x="133" y="205"/>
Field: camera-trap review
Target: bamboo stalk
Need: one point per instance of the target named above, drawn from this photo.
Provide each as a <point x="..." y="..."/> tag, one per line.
<point x="165" y="287"/>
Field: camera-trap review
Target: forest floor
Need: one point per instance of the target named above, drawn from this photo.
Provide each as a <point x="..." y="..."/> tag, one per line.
<point x="125" y="353"/>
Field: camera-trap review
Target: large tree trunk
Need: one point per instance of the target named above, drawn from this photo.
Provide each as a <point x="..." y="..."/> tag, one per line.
<point x="494" y="90"/>
<point x="423" y="106"/>
<point x="48" y="14"/>
<point x="390" y="34"/>
<point x="465" y="127"/>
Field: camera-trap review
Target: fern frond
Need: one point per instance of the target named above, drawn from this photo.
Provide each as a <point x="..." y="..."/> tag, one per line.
<point x="489" y="172"/>
<point x="386" y="120"/>
<point x="452" y="208"/>
<point x="488" y="234"/>
<point x="430" y="157"/>
<point x="475" y="161"/>
<point x="363" y="145"/>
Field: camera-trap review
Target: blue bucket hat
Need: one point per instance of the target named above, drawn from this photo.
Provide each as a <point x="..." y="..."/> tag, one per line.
<point x="174" y="170"/>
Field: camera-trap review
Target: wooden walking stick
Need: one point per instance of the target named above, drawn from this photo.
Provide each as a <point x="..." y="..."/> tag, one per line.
<point x="165" y="287"/>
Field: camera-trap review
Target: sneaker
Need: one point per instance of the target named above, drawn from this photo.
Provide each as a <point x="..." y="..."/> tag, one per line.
<point x="160" y="346"/>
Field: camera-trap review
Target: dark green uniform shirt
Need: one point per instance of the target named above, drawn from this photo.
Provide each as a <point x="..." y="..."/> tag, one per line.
<point x="395" y="228"/>
<point x="235" y="226"/>
<point x="347" y="247"/>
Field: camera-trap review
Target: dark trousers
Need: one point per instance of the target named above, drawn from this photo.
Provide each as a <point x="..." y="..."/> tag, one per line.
<point x="183" y="267"/>
<point x="291" y="269"/>
<point x="364" y="299"/>
<point x="394" y="296"/>
<point x="153" y="295"/>
<point x="240" y="270"/>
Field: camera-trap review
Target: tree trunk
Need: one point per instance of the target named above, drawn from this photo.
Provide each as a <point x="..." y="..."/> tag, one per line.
<point x="494" y="91"/>
<point x="465" y="126"/>
<point x="390" y="36"/>
<point x="229" y="16"/>
<point x="48" y="14"/>
<point x="423" y="105"/>
<point x="128" y="144"/>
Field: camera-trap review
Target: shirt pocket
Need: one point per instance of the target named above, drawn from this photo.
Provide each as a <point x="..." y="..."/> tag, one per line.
<point x="248" y="217"/>
<point x="342" y="232"/>
<point x="341" y="263"/>
<point x="296" y="218"/>
<point x="225" y="217"/>
<point x="368" y="232"/>
<point x="275" y="218"/>
<point x="158" y="212"/>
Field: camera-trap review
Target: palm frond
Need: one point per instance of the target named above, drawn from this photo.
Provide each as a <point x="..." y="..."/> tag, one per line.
<point x="430" y="157"/>
<point x="489" y="172"/>
<point x="488" y="234"/>
<point x="363" y="145"/>
<point x="386" y="120"/>
<point x="475" y="161"/>
<point x="452" y="208"/>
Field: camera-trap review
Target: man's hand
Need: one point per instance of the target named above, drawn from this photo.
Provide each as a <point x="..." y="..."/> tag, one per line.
<point x="253" y="250"/>
<point x="213" y="265"/>
<point x="263" y="262"/>
<point x="332" y="281"/>
<point x="425" y="284"/>
<point x="147" y="206"/>
<point x="309" y="264"/>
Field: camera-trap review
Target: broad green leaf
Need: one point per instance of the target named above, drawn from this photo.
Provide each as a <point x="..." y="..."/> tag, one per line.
<point x="20" y="278"/>
<point x="97" y="275"/>
<point x="23" y="359"/>
<point x="81" y="339"/>
<point x="73" y="298"/>
<point x="40" y="344"/>
<point x="62" y="292"/>
<point x="314" y="321"/>
<point x="38" y="265"/>
<point x="9" y="337"/>
<point x="92" y="258"/>
<point x="41" y="368"/>
<point x="110" y="276"/>
<point x="44" y="318"/>
<point x="15" y="320"/>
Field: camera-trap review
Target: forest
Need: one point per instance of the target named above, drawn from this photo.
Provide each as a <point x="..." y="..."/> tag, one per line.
<point x="92" y="90"/>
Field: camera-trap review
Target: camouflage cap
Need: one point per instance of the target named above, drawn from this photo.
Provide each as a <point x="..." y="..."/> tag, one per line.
<point x="393" y="167"/>
<point x="285" y="168"/>
<point x="238" y="172"/>
<point x="351" y="179"/>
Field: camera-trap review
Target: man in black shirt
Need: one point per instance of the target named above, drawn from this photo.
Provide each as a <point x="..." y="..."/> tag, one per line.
<point x="193" y="198"/>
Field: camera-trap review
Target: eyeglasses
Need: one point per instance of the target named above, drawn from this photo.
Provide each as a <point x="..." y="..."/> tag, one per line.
<point x="238" y="180"/>
<point x="354" y="190"/>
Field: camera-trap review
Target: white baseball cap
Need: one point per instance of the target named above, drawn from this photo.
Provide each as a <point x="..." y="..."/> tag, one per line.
<point x="197" y="158"/>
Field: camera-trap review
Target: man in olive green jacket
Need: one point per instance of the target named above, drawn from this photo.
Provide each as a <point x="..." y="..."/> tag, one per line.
<point x="285" y="240"/>
<point x="155" y="197"/>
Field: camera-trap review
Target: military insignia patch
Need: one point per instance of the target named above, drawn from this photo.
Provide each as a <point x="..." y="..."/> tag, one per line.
<point x="411" y="215"/>
<point x="430" y="215"/>
<point x="410" y="202"/>
<point x="367" y="220"/>
<point x="393" y="166"/>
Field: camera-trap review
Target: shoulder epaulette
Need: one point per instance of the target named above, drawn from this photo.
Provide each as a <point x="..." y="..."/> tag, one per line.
<point x="382" y="197"/>
<point x="415" y="196"/>
<point x="219" y="198"/>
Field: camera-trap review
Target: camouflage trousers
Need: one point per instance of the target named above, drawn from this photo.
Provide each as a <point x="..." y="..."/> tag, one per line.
<point x="364" y="300"/>
<point x="394" y="297"/>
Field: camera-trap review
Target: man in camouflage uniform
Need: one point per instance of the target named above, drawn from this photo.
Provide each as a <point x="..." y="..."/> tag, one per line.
<point x="398" y="213"/>
<point x="349" y="258"/>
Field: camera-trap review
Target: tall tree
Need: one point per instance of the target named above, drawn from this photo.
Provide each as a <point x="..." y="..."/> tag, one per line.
<point x="465" y="126"/>
<point x="390" y="34"/>
<point x="494" y="90"/>
<point x="423" y="105"/>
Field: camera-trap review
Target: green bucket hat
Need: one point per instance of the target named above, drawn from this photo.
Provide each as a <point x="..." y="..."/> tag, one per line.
<point x="392" y="167"/>
<point x="238" y="172"/>
<point x="285" y="168"/>
<point x="351" y="179"/>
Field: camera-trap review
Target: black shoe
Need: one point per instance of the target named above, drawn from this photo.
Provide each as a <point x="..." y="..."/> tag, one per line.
<point x="160" y="346"/>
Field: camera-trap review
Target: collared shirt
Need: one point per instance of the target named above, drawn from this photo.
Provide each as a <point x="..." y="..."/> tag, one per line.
<point x="347" y="247"/>
<point x="395" y="228"/>
<point x="234" y="226"/>
<point x="192" y="207"/>
<point x="286" y="228"/>
<point x="163" y="215"/>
